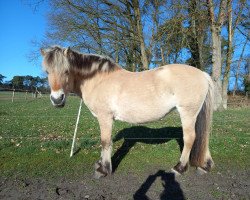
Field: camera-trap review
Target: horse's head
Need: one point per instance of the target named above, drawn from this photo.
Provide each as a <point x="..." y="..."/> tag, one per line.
<point x="56" y="65"/>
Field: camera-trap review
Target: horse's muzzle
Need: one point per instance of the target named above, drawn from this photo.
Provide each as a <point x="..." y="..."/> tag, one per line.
<point x="58" y="102"/>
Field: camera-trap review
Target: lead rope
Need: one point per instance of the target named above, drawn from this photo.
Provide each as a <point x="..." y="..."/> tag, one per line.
<point x="74" y="137"/>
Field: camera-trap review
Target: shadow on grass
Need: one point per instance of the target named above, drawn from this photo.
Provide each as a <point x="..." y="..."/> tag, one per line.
<point x="77" y="151"/>
<point x="172" y="189"/>
<point x="144" y="135"/>
<point x="2" y="113"/>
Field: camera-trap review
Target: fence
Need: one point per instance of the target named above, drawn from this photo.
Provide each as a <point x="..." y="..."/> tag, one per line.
<point x="238" y="101"/>
<point x="19" y="95"/>
<point x="21" y="123"/>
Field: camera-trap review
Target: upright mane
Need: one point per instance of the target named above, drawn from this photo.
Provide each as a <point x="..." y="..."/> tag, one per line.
<point x="64" y="59"/>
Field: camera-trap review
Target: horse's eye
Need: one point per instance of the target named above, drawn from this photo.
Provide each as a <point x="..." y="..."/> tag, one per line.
<point x="66" y="72"/>
<point x="47" y="72"/>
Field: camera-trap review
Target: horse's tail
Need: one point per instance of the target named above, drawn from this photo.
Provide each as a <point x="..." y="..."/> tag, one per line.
<point x="200" y="150"/>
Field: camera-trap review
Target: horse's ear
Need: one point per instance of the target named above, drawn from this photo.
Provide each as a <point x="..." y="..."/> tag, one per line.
<point x="66" y="51"/>
<point x="42" y="51"/>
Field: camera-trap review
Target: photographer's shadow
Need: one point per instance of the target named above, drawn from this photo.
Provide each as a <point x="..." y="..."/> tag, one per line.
<point x="144" y="135"/>
<point x="171" y="188"/>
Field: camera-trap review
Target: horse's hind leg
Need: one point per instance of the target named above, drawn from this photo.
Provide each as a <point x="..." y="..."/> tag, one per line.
<point x="103" y="167"/>
<point x="188" y="120"/>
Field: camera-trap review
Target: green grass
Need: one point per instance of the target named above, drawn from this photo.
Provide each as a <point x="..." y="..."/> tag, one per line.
<point x="35" y="140"/>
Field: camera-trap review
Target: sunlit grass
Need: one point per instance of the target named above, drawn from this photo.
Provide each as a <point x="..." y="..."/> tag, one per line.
<point x="35" y="140"/>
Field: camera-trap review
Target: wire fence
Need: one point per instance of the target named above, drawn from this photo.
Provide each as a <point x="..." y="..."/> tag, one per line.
<point x="239" y="101"/>
<point x="23" y="95"/>
<point x="19" y="95"/>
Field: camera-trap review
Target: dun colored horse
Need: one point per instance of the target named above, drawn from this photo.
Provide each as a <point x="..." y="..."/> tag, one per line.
<point x="113" y="93"/>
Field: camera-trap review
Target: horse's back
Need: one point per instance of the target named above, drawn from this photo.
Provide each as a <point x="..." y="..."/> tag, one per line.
<point x="189" y="84"/>
<point x="180" y="72"/>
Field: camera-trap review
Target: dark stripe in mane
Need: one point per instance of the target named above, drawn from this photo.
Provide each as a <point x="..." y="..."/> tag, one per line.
<point x="90" y="62"/>
<point x="86" y="64"/>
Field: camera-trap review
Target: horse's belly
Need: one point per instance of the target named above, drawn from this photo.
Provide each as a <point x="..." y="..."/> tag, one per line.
<point x="142" y="113"/>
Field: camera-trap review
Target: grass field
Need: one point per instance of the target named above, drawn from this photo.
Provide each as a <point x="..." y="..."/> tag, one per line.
<point x="35" y="140"/>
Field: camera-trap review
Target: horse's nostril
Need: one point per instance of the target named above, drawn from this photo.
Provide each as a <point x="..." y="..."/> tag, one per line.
<point x="58" y="100"/>
<point x="61" y="97"/>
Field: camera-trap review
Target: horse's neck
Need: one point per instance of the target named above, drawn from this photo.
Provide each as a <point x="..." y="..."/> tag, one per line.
<point x="76" y="83"/>
<point x="87" y="83"/>
<point x="94" y="80"/>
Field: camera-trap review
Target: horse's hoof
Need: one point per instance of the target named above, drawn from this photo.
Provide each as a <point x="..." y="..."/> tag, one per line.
<point x="98" y="175"/>
<point x="175" y="172"/>
<point x="209" y="165"/>
<point x="102" y="170"/>
<point x="179" y="169"/>
<point x="207" y="168"/>
<point x="201" y="171"/>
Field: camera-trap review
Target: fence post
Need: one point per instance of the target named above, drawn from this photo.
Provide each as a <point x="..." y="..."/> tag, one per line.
<point x="36" y="93"/>
<point x="13" y="95"/>
<point x="26" y="93"/>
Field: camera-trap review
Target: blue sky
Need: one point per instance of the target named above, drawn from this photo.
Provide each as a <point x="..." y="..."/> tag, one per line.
<point x="19" y="25"/>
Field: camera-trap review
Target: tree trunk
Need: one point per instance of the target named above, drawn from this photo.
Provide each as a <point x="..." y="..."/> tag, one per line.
<point x="163" y="62"/>
<point x="216" y="50"/>
<point x="200" y="50"/>
<point x="229" y="56"/>
<point x="117" y="53"/>
<point x="224" y="92"/>
<point x="197" y="37"/>
<point x="144" y="58"/>
<point x="230" y="48"/>
<point x="216" y="70"/>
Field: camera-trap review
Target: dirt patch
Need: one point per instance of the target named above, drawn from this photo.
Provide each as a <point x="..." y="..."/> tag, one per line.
<point x="150" y="185"/>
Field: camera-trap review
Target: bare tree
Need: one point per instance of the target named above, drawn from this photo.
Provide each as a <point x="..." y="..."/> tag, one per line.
<point x="143" y="33"/>
<point x="216" y="25"/>
<point x="102" y="26"/>
<point x="237" y="70"/>
<point x="137" y="12"/>
<point x="156" y="10"/>
<point x="231" y="26"/>
<point x="186" y="28"/>
<point x="197" y="33"/>
<point x="171" y="35"/>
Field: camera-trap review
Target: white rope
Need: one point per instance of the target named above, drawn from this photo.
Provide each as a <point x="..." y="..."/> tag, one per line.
<point x="74" y="137"/>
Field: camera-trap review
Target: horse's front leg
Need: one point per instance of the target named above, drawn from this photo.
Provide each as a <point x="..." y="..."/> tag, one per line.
<point x="103" y="167"/>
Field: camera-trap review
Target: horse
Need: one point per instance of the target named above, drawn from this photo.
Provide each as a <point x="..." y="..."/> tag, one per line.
<point x="112" y="93"/>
